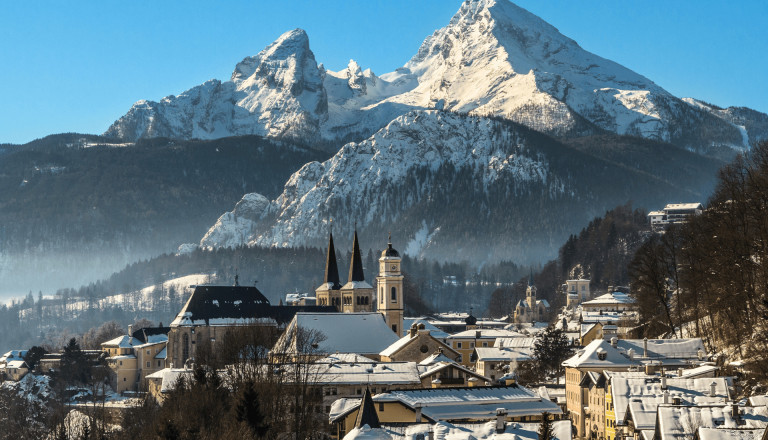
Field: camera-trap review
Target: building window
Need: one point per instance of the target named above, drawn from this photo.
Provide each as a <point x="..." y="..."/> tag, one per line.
<point x="158" y="364"/>
<point x="381" y="294"/>
<point x="458" y="345"/>
<point x="394" y="294"/>
<point x="381" y="406"/>
<point x="148" y="364"/>
<point x="185" y="348"/>
<point x="394" y="328"/>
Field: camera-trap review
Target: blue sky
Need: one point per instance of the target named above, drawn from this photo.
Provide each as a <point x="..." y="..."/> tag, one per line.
<point x="78" y="66"/>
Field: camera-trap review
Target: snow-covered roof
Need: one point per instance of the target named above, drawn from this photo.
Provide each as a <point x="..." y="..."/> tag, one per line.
<point x="154" y="340"/>
<point x="677" y="422"/>
<point x="758" y="400"/>
<point x="544" y="302"/>
<point x="163" y="354"/>
<point x="585" y="328"/>
<point x="519" y="342"/>
<point x="474" y="403"/>
<point x="610" y="298"/>
<point x="730" y="434"/>
<point x="641" y="396"/>
<point x="408" y="338"/>
<point x="435" y="358"/>
<point x="552" y="393"/>
<point x="561" y="430"/>
<point x="670" y="351"/>
<point x="365" y="432"/>
<point x="341" y="407"/>
<point x="344" y="357"/>
<point x="370" y="373"/>
<point x="433" y="330"/>
<point x="429" y="370"/>
<point x="607" y="316"/>
<point x="123" y="341"/>
<point x="655" y="213"/>
<point x="363" y="333"/>
<point x="589" y="357"/>
<point x="121" y="357"/>
<point x="233" y="306"/>
<point x="16" y="364"/>
<point x="484" y="333"/>
<point x="397" y="346"/>
<point x="169" y="377"/>
<point x="682" y="206"/>
<point x="486" y="354"/>
<point x="702" y="371"/>
<point x="13" y="355"/>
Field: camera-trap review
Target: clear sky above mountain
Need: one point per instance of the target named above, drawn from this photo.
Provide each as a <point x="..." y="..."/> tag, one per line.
<point x="78" y="66"/>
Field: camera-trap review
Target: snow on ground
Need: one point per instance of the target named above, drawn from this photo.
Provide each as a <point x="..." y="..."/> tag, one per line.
<point x="139" y="300"/>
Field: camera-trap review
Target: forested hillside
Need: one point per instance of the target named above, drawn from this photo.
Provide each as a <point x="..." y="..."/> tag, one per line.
<point x="74" y="208"/>
<point x="601" y="252"/>
<point x="709" y="277"/>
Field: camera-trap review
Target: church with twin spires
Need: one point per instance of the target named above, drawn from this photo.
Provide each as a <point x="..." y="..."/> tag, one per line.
<point x="357" y="295"/>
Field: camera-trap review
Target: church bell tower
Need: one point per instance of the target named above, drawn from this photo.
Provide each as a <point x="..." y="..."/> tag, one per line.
<point x="390" y="289"/>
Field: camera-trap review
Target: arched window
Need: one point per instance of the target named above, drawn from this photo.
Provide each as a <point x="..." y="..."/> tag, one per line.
<point x="185" y="348"/>
<point x="381" y="295"/>
<point x="367" y="300"/>
<point x="394" y="294"/>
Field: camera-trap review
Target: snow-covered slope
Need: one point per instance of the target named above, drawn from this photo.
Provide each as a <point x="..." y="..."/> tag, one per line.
<point x="278" y="93"/>
<point x="752" y="124"/>
<point x="377" y="180"/>
<point x="493" y="58"/>
<point x="436" y="179"/>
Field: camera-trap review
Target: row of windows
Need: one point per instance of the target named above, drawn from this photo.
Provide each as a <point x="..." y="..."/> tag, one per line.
<point x="471" y="344"/>
<point x="360" y="300"/>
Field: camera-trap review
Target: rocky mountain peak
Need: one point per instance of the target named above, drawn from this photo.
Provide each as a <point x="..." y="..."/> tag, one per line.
<point x="292" y="44"/>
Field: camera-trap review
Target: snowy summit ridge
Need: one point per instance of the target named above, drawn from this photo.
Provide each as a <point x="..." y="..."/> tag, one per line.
<point x="493" y="58"/>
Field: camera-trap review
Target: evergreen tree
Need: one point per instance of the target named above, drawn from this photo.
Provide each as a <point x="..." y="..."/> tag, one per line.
<point x="545" y="428"/>
<point x="551" y="349"/>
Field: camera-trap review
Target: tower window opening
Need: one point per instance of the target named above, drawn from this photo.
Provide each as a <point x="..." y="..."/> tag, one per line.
<point x="394" y="294"/>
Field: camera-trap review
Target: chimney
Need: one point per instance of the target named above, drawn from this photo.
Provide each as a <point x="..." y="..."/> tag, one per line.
<point x="614" y="341"/>
<point x="414" y="330"/>
<point x="664" y="382"/>
<point x="650" y="369"/>
<point x="735" y="411"/>
<point x="130" y="333"/>
<point x="680" y="372"/>
<point x="700" y="353"/>
<point x="478" y="334"/>
<point x="645" y="347"/>
<point x="631" y="353"/>
<point x="713" y="389"/>
<point x="472" y="382"/>
<point x="666" y="396"/>
<point x="436" y="383"/>
<point x="501" y="414"/>
<point x="418" y="412"/>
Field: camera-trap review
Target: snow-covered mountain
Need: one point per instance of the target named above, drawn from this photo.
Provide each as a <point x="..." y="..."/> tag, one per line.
<point x="449" y="186"/>
<point x="493" y="58"/>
